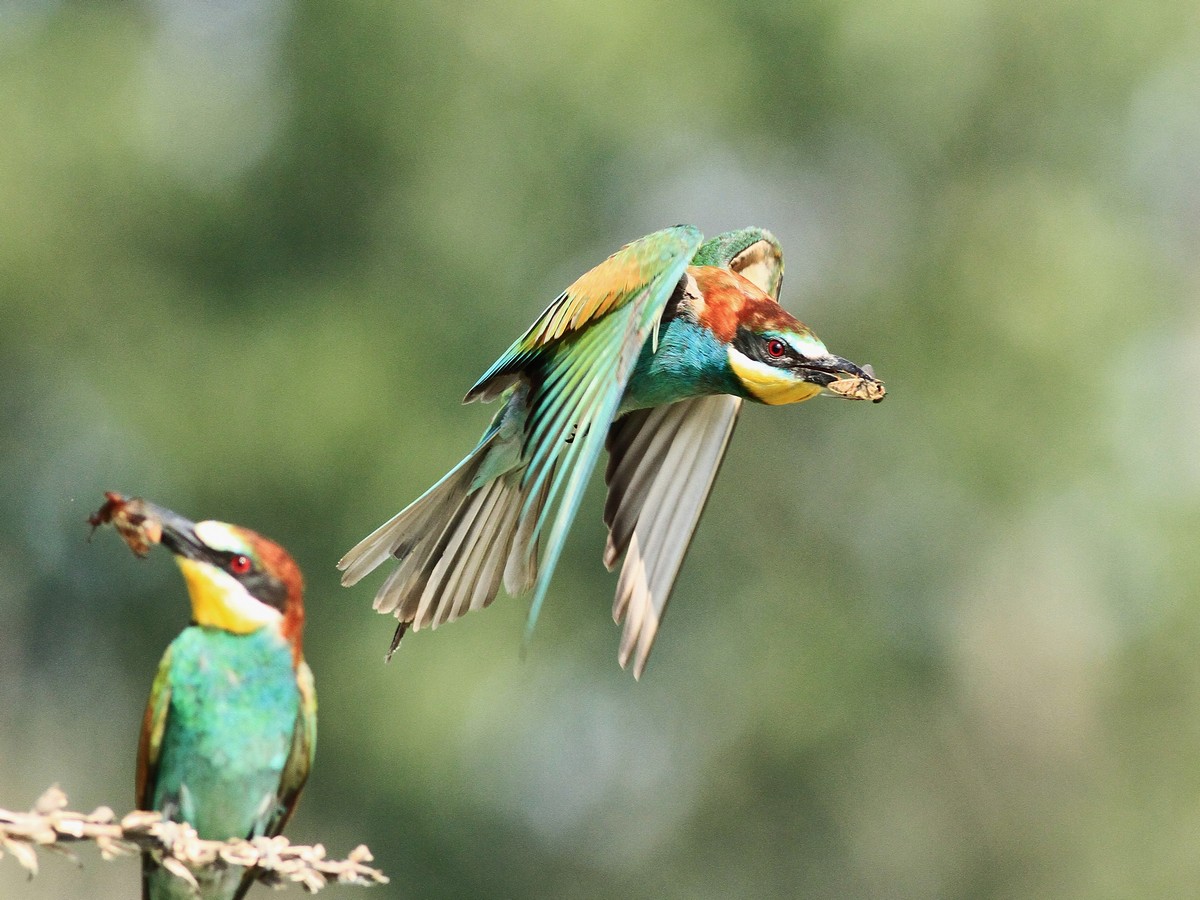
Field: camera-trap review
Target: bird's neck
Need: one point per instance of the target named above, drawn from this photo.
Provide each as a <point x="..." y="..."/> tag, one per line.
<point x="689" y="362"/>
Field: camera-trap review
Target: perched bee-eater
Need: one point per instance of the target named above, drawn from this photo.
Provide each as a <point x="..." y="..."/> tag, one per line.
<point x="231" y="725"/>
<point x="651" y="354"/>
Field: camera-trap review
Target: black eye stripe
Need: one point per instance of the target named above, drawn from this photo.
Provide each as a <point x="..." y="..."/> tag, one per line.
<point x="260" y="584"/>
<point x="264" y="587"/>
<point x="755" y="346"/>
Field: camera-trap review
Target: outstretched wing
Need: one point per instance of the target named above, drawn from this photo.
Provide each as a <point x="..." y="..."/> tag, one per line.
<point x="631" y="279"/>
<point x="578" y="357"/>
<point x="662" y="464"/>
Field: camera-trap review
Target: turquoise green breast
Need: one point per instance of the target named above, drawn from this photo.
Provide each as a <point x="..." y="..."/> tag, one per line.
<point x="689" y="362"/>
<point x="234" y="703"/>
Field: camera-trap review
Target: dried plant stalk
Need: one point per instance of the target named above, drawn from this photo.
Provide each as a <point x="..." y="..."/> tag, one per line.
<point x="50" y="825"/>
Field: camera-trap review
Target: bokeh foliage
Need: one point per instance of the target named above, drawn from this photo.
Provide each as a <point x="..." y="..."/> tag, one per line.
<point x="254" y="251"/>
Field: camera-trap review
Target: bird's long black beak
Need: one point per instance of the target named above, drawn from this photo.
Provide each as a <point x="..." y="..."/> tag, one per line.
<point x="828" y="369"/>
<point x="178" y="533"/>
<point x="843" y="378"/>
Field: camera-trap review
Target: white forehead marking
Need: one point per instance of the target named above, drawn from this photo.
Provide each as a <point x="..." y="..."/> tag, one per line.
<point x="220" y="536"/>
<point x="809" y="346"/>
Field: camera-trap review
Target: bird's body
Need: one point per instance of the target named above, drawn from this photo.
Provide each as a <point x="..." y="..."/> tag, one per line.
<point x="650" y="354"/>
<point x="235" y="701"/>
<point x="230" y="727"/>
<point x="234" y="705"/>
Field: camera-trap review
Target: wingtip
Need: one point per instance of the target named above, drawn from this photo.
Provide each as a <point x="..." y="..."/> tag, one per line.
<point x="350" y="575"/>
<point x="352" y="565"/>
<point x="611" y="555"/>
<point x="527" y="637"/>
<point x="640" y="666"/>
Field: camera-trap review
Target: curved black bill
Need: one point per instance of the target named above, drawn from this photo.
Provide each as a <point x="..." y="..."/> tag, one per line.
<point x="178" y="533"/>
<point x="828" y="369"/>
<point x="843" y="378"/>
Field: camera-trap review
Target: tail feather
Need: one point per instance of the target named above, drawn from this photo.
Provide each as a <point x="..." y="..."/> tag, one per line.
<point x="460" y="572"/>
<point x="405" y="531"/>
<point x="479" y="574"/>
<point x="418" y="542"/>
<point x="521" y="568"/>
<point x="456" y="544"/>
<point x="436" y="603"/>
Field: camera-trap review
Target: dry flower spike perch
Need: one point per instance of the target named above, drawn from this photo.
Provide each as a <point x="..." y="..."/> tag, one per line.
<point x="50" y="825"/>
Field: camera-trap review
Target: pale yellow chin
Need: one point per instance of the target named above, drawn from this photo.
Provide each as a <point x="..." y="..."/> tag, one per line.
<point x="220" y="601"/>
<point x="768" y="384"/>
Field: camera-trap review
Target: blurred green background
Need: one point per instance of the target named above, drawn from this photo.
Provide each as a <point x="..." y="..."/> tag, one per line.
<point x="253" y="252"/>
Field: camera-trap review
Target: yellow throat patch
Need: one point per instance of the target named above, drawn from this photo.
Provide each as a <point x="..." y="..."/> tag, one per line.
<point x="768" y="384"/>
<point x="220" y="601"/>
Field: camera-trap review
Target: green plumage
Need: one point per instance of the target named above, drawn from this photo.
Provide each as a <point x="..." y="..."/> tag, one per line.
<point x="230" y="729"/>
<point x="234" y="704"/>
<point x="687" y="362"/>
<point x="236" y="733"/>
<point x="636" y="356"/>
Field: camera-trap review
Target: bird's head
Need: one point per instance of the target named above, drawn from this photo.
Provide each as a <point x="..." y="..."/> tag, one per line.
<point x="237" y="580"/>
<point x="773" y="356"/>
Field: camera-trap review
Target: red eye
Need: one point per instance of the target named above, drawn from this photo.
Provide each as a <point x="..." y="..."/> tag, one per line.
<point x="239" y="565"/>
<point x="776" y="348"/>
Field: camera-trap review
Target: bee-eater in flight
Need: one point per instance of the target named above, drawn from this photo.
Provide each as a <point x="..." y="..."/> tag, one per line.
<point x="231" y="725"/>
<point x="649" y="354"/>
